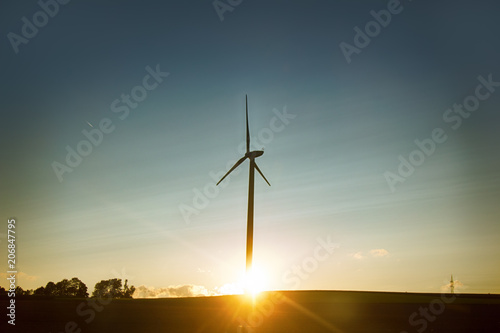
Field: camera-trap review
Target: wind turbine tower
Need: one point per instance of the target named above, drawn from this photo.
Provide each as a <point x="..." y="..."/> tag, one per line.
<point x="452" y="285"/>
<point x="251" y="155"/>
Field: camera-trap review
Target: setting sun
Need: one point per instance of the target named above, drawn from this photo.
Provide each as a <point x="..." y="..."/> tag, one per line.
<point x="255" y="281"/>
<point x="251" y="283"/>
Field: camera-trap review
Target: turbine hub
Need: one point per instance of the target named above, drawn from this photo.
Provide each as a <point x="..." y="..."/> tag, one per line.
<point x="254" y="154"/>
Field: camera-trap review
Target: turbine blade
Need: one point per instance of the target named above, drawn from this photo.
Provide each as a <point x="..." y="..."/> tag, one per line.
<point x="234" y="167"/>
<point x="257" y="167"/>
<point x="248" y="131"/>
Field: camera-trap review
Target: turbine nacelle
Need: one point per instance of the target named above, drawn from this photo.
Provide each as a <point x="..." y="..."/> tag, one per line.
<point x="254" y="154"/>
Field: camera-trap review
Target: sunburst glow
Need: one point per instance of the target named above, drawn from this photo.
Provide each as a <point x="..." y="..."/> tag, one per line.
<point x="255" y="281"/>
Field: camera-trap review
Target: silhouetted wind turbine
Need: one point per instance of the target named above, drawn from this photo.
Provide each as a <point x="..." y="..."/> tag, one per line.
<point x="251" y="155"/>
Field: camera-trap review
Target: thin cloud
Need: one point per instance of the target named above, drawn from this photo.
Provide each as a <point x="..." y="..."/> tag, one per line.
<point x="375" y="253"/>
<point x="20" y="276"/>
<point x="230" y="289"/>
<point x="201" y="270"/>
<point x="186" y="290"/>
<point x="358" y="255"/>
<point x="379" y="252"/>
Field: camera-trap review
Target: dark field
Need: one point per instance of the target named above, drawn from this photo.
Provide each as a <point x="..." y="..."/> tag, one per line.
<point x="297" y="311"/>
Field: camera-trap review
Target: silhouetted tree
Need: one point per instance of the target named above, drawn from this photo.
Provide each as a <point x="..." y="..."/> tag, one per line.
<point x="39" y="291"/>
<point x="19" y="291"/>
<point x="112" y="288"/>
<point x="77" y="288"/>
<point x="3" y="291"/>
<point x="61" y="287"/>
<point x="50" y="289"/>
<point x="71" y="288"/>
<point x="66" y="288"/>
<point x="128" y="291"/>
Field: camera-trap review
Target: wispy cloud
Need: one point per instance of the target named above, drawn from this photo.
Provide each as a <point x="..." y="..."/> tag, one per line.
<point x="21" y="276"/>
<point x="358" y="255"/>
<point x="379" y="252"/>
<point x="201" y="270"/>
<point x="230" y="289"/>
<point x="375" y="253"/>
<point x="186" y="290"/>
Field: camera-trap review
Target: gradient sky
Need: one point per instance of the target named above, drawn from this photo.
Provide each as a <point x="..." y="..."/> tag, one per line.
<point x="118" y="213"/>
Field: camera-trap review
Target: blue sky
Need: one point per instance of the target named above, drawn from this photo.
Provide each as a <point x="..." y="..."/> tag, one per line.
<point x="120" y="209"/>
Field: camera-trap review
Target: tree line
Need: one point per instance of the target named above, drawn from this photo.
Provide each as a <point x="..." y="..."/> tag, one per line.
<point x="111" y="288"/>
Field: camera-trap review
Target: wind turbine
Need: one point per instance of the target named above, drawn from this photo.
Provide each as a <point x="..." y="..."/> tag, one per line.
<point x="251" y="155"/>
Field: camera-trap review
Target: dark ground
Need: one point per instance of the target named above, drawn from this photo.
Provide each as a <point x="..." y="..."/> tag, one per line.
<point x="297" y="311"/>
